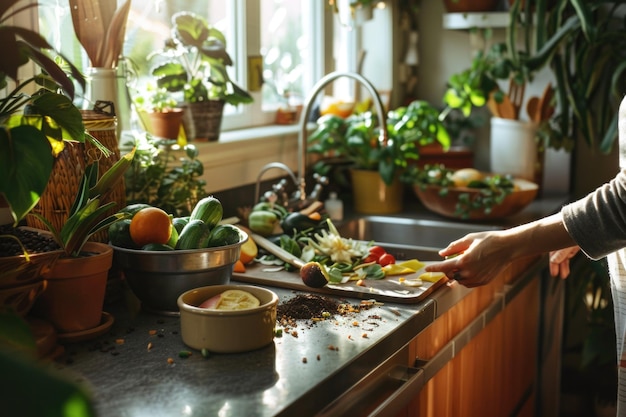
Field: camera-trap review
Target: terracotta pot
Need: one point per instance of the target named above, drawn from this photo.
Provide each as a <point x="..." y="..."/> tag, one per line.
<point x="73" y="300"/>
<point x="166" y="124"/>
<point x="372" y="195"/>
<point x="467" y="6"/>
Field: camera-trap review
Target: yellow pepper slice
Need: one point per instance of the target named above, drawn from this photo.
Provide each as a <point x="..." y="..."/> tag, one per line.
<point x="432" y="276"/>
<point x="403" y="268"/>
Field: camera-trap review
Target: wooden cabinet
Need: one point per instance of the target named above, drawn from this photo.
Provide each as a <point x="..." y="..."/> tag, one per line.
<point x="491" y="340"/>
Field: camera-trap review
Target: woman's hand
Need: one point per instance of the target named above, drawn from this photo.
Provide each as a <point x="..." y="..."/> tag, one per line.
<point x="475" y="259"/>
<point x="559" y="261"/>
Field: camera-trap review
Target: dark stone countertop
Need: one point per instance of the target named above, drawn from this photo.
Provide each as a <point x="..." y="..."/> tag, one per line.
<point x="129" y="375"/>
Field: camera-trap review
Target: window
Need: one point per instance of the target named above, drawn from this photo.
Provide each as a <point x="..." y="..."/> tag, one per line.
<point x="286" y="35"/>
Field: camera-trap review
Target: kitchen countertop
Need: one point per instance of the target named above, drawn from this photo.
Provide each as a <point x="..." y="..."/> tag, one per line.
<point x="130" y="373"/>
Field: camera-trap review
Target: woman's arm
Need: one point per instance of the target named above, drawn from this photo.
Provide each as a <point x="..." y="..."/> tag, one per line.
<point x="477" y="258"/>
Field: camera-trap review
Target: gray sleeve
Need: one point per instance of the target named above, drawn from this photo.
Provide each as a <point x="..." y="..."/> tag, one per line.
<point x="597" y="222"/>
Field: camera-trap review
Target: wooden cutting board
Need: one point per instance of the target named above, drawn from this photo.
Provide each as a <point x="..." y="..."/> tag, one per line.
<point x="387" y="289"/>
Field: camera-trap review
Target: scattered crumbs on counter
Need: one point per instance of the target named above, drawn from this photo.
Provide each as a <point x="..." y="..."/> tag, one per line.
<point x="349" y="337"/>
<point x="355" y="323"/>
<point x="149" y="346"/>
<point x="278" y="332"/>
<point x="205" y="353"/>
<point x="364" y="335"/>
<point x="119" y="341"/>
<point x="184" y="354"/>
<point x="152" y="332"/>
<point x="332" y="347"/>
<point x="174" y="332"/>
<point x="304" y="360"/>
<point x="294" y="333"/>
<point x="160" y="335"/>
<point x="170" y="361"/>
<point x="394" y="311"/>
<point x="115" y="352"/>
<point x="318" y="357"/>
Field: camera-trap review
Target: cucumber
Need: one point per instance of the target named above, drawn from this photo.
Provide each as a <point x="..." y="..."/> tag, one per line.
<point x="157" y="246"/>
<point x="194" y="235"/>
<point x="179" y="223"/>
<point x="134" y="208"/>
<point x="223" y="235"/>
<point x="119" y="234"/>
<point x="209" y="210"/>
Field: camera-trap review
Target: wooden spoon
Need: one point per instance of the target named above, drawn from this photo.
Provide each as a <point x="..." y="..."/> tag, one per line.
<point x="545" y="103"/>
<point x="111" y="48"/>
<point x="532" y="107"/>
<point x="89" y="27"/>
<point x="507" y="109"/>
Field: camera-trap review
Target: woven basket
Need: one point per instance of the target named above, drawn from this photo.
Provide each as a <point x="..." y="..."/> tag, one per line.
<point x="203" y="120"/>
<point x="69" y="167"/>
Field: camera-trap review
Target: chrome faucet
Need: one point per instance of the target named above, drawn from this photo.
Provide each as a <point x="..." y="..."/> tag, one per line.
<point x="300" y="182"/>
<point x="306" y="113"/>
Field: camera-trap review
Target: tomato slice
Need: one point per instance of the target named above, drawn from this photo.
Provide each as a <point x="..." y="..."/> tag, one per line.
<point x="386" y="259"/>
<point x="377" y="251"/>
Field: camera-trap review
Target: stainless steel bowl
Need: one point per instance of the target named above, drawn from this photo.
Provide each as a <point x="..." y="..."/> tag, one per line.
<point x="158" y="277"/>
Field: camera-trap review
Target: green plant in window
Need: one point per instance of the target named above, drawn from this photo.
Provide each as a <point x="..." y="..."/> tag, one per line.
<point x="194" y="61"/>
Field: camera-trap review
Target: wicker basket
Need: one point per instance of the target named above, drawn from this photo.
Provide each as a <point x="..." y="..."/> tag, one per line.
<point x="69" y="167"/>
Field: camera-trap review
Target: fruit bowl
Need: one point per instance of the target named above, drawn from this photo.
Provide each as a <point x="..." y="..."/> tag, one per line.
<point x="227" y="331"/>
<point x="158" y="278"/>
<point x="446" y="205"/>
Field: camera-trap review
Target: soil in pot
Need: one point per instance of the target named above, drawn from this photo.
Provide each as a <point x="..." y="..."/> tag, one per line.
<point x="74" y="297"/>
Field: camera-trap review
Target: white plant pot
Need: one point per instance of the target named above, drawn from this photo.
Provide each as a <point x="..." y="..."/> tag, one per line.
<point x="514" y="148"/>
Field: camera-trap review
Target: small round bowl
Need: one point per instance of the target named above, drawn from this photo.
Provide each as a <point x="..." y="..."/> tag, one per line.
<point x="157" y="278"/>
<point x="227" y="331"/>
<point x="524" y="193"/>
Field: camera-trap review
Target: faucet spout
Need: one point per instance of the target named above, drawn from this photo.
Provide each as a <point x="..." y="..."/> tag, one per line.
<point x="306" y="113"/>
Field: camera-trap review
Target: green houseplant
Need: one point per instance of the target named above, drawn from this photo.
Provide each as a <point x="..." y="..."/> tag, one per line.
<point x="158" y="111"/>
<point x="74" y="296"/>
<point x="194" y="62"/>
<point x="382" y="164"/>
<point x="165" y="175"/>
<point x="30" y="140"/>
<point x="356" y="138"/>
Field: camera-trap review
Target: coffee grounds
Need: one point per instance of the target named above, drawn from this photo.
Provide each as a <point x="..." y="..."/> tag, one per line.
<point x="307" y="306"/>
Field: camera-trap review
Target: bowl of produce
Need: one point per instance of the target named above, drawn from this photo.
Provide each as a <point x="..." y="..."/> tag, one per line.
<point x="228" y="318"/>
<point x="167" y="256"/>
<point x="469" y="194"/>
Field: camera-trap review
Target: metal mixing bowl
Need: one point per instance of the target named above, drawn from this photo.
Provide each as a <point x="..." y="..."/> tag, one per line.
<point x="158" y="277"/>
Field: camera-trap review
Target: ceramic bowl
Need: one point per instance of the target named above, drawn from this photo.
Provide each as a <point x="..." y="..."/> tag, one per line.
<point x="157" y="278"/>
<point x="524" y="193"/>
<point x="227" y="331"/>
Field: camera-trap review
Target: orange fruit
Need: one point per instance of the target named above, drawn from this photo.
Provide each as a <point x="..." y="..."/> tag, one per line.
<point x="239" y="266"/>
<point x="249" y="251"/>
<point x="150" y="225"/>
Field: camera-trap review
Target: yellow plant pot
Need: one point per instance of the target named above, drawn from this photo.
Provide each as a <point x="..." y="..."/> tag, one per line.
<point x="373" y="196"/>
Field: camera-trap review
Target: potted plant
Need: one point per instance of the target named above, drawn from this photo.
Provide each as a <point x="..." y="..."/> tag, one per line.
<point x="158" y="111"/>
<point x="74" y="296"/>
<point x="165" y="175"/>
<point x="356" y="141"/>
<point x="194" y="61"/>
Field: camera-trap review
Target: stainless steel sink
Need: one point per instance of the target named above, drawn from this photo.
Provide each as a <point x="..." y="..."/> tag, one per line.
<point x="407" y="232"/>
